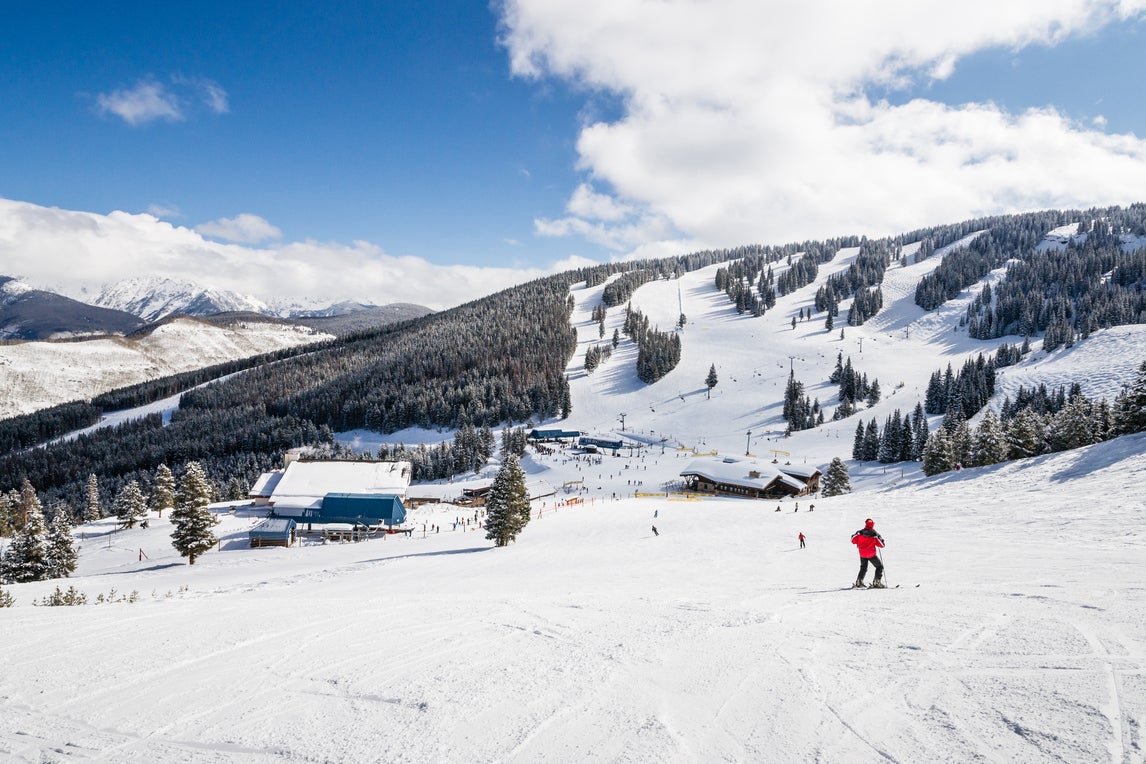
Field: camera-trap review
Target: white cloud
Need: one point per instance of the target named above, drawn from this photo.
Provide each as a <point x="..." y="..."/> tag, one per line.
<point x="163" y="211"/>
<point x="749" y="121"/>
<point x="244" y="228"/>
<point x="70" y="251"/>
<point x="147" y="101"/>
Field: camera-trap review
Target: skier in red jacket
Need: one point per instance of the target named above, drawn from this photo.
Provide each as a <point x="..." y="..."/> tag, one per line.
<point x="869" y="542"/>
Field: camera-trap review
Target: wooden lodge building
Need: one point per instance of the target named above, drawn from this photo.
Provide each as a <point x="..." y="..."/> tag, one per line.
<point x="750" y="479"/>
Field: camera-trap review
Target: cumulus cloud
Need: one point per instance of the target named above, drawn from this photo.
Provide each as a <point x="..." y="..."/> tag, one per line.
<point x="149" y="100"/>
<point x="751" y="121"/>
<point x="77" y="251"/>
<point x="244" y="228"/>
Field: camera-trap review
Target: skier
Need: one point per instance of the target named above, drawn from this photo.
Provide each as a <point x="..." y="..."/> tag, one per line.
<point x="655" y="531"/>
<point x="801" y="540"/>
<point x="869" y="542"/>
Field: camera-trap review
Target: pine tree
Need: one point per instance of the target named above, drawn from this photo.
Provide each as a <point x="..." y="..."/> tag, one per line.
<point x="62" y="552"/>
<point x="130" y="506"/>
<point x="27" y="556"/>
<point x="162" y="489"/>
<point x="871" y="441"/>
<point x="6" y="599"/>
<point x="836" y="480"/>
<point x="1072" y="427"/>
<point x="711" y="380"/>
<point x="1130" y="406"/>
<point x="94" y="509"/>
<point x="237" y="489"/>
<point x="1025" y="434"/>
<point x="990" y="441"/>
<point x="7" y="515"/>
<point x="857" y="443"/>
<point x="191" y="516"/>
<point x="507" y="507"/>
<point x="938" y="455"/>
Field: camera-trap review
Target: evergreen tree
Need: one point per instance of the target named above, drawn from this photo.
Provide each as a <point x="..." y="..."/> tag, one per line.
<point x="130" y="506"/>
<point x="836" y="480"/>
<point x="1025" y="434"/>
<point x="162" y="489"/>
<point x="990" y="441"/>
<point x="507" y="508"/>
<point x="857" y="443"/>
<point x="871" y="441"/>
<point x="7" y="515"/>
<point x="1130" y="406"/>
<point x="938" y="455"/>
<point x="26" y="558"/>
<point x="1072" y="427"/>
<point x="962" y="442"/>
<point x="62" y="553"/>
<point x="237" y="489"/>
<point x="191" y="517"/>
<point x="711" y="380"/>
<point x="6" y="599"/>
<point x="94" y="509"/>
<point x="873" y="393"/>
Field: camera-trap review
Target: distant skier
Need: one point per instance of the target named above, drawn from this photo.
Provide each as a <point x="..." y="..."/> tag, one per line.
<point x="811" y="507"/>
<point x="801" y="540"/>
<point x="869" y="543"/>
<point x="655" y="531"/>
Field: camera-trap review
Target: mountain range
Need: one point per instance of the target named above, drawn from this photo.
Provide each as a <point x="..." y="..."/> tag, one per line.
<point x="27" y="313"/>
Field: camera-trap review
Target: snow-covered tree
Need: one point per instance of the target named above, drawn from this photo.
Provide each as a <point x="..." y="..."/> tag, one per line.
<point x="1130" y="406"/>
<point x="162" y="489"/>
<point x="237" y="489"/>
<point x="507" y="507"/>
<point x="836" y="480"/>
<point x="94" y="510"/>
<point x="130" y="506"/>
<point x="6" y="599"/>
<point x="1026" y="434"/>
<point x="711" y="380"/>
<point x="62" y="552"/>
<point x="1073" y="426"/>
<point x="7" y="515"/>
<point x="938" y="454"/>
<point x="27" y="556"/>
<point x="990" y="441"/>
<point x="192" y="520"/>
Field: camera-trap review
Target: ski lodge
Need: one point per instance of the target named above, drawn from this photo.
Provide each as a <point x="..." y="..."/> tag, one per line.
<point x="749" y="479"/>
<point x="364" y="492"/>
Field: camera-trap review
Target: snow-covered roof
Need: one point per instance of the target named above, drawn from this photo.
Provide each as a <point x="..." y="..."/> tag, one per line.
<point x="535" y="489"/>
<point x="747" y="473"/>
<point x="266" y="483"/>
<point x="305" y="482"/>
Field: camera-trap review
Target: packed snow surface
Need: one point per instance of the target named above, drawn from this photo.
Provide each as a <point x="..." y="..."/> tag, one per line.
<point x="1015" y="632"/>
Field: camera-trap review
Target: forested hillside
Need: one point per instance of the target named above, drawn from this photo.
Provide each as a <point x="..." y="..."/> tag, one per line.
<point x="503" y="359"/>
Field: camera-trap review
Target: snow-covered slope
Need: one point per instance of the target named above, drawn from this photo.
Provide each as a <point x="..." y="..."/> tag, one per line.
<point x="36" y="375"/>
<point x="1016" y="633"/>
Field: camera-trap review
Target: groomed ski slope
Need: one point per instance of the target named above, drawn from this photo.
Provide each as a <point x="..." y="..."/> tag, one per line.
<point x="1015" y="635"/>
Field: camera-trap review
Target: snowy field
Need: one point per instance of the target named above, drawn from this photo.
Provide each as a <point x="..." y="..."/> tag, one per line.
<point x="1014" y="632"/>
<point x="36" y="375"/>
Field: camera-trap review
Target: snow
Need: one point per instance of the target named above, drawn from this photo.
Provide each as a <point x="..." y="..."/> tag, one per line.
<point x="37" y="375"/>
<point x="591" y="640"/>
<point x="1015" y="634"/>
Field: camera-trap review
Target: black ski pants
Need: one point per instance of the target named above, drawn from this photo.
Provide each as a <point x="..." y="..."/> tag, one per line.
<point x="874" y="561"/>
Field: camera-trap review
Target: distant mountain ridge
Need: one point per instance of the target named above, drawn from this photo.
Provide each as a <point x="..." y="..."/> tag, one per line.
<point x="35" y="314"/>
<point x="28" y="313"/>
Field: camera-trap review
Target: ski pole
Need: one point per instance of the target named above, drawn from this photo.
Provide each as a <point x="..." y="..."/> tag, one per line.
<point x="885" y="578"/>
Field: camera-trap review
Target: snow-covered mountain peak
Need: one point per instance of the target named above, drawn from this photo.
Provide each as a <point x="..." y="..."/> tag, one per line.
<point x="152" y="298"/>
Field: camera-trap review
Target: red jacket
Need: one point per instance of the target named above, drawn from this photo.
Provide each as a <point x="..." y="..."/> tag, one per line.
<point x="868" y="541"/>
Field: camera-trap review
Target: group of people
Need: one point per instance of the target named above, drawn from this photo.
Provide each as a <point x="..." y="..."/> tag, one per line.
<point x="868" y="542"/>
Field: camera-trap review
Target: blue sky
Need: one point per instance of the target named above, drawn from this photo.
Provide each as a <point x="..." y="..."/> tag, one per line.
<point x="523" y="135"/>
